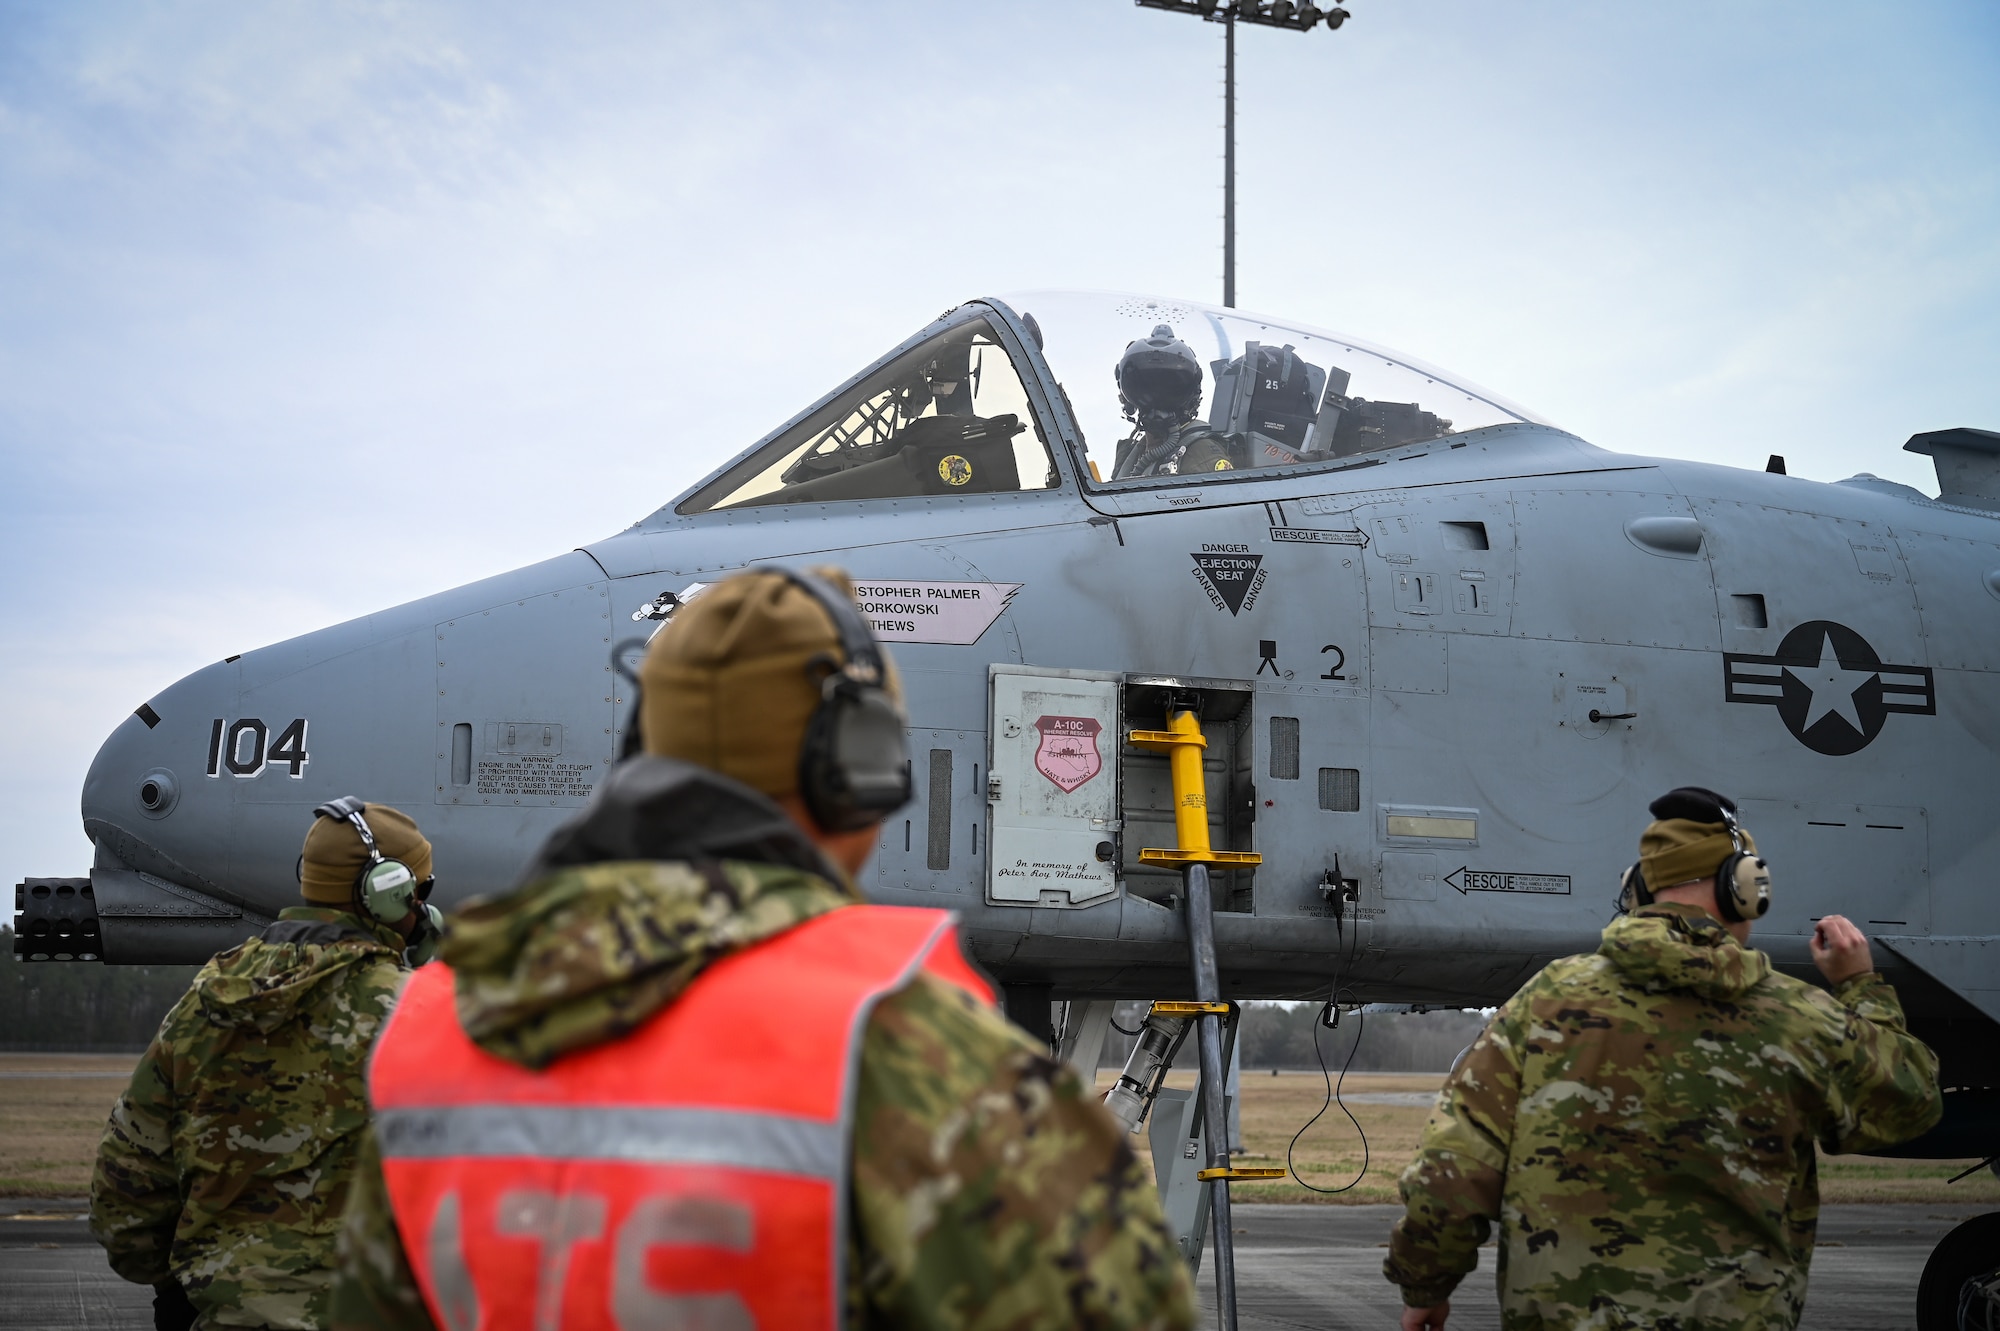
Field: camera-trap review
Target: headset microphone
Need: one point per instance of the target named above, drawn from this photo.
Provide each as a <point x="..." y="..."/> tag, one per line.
<point x="854" y="767"/>
<point x="386" y="889"/>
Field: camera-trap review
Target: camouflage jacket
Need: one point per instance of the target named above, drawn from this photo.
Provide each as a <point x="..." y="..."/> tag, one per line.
<point x="226" y="1161"/>
<point x="989" y="1189"/>
<point x="1190" y="448"/>
<point x="1642" y="1121"/>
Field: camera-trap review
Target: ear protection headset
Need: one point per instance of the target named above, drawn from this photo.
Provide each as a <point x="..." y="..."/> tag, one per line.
<point x="1742" y="880"/>
<point x="854" y="765"/>
<point x="386" y="889"/>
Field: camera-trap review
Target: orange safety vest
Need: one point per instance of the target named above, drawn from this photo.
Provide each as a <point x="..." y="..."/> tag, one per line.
<point x="691" y="1174"/>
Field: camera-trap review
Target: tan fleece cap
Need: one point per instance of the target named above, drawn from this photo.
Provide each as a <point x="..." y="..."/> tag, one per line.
<point x="1679" y="850"/>
<point x="334" y="856"/>
<point x="727" y="684"/>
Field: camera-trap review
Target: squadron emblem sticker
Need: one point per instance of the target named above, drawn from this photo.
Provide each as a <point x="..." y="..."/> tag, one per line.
<point x="1231" y="576"/>
<point x="1830" y="688"/>
<point x="954" y="470"/>
<point x="1068" y="752"/>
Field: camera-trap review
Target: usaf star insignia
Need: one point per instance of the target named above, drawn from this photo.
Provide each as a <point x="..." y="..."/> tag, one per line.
<point x="1831" y="689"/>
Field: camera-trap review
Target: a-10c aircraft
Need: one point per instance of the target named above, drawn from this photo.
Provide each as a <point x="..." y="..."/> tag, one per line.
<point x="1445" y="654"/>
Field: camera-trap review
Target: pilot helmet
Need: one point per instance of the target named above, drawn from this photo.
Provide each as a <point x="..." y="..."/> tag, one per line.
<point x="1159" y="379"/>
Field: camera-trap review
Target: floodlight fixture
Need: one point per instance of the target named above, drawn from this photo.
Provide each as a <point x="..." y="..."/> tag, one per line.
<point x="1264" y="13"/>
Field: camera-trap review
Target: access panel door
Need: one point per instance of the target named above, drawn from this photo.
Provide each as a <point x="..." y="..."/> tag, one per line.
<point x="1869" y="862"/>
<point x="1053" y="787"/>
<point x="525" y="713"/>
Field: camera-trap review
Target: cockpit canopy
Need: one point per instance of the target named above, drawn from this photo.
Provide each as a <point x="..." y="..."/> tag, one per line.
<point x="954" y="415"/>
<point x="949" y="416"/>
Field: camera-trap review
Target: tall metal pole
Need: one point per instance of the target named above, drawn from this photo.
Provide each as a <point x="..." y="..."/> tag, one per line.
<point x="1214" y="1079"/>
<point x="1283" y="14"/>
<point x="1183" y="743"/>
<point x="1229" y="163"/>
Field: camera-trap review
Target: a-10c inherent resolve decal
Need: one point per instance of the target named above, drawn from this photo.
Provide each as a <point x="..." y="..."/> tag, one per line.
<point x="245" y="748"/>
<point x="1067" y="753"/>
<point x="1830" y="688"/>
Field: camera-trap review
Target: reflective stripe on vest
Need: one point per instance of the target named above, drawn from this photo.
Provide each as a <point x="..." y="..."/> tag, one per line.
<point x="692" y="1174"/>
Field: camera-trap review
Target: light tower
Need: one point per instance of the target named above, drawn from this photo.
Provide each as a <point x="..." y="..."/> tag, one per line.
<point x="1271" y="14"/>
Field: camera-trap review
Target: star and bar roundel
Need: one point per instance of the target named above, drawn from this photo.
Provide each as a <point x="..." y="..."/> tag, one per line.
<point x="1830" y="688"/>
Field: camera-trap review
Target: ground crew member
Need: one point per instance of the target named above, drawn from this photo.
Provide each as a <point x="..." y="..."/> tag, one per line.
<point x="681" y="1077"/>
<point x="224" y="1169"/>
<point x="1642" y="1119"/>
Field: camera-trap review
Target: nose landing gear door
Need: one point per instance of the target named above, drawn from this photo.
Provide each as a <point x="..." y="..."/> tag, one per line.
<point x="1053" y="787"/>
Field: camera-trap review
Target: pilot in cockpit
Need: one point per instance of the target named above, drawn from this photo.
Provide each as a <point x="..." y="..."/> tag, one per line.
<point x="1159" y="387"/>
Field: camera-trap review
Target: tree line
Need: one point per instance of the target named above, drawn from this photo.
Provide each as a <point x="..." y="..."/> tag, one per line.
<point x="1284" y="1035"/>
<point x="83" y="1006"/>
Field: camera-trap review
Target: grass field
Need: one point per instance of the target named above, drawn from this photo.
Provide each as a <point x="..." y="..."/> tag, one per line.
<point x="1330" y="1155"/>
<point x="49" y="1126"/>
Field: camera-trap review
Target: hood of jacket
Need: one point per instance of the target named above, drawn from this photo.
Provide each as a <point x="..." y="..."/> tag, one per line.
<point x="1668" y="946"/>
<point x="669" y="868"/>
<point x="267" y="981"/>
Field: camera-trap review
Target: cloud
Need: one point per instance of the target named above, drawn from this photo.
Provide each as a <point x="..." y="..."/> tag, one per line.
<point x="314" y="308"/>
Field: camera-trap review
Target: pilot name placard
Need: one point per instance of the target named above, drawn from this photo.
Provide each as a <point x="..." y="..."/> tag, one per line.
<point x="954" y="614"/>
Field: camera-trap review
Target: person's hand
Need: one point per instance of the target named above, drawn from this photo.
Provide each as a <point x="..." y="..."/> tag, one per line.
<point x="1426" y="1319"/>
<point x="1840" y="950"/>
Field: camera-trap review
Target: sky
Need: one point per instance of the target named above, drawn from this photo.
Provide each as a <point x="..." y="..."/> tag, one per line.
<point x="307" y="309"/>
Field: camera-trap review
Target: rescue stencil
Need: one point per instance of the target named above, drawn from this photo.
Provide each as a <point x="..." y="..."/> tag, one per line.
<point x="1067" y="754"/>
<point x="1466" y="879"/>
<point x="951" y="613"/>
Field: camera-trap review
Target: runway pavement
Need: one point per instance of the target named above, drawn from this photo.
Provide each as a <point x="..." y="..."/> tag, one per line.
<point x="1320" y="1267"/>
<point x="1298" y="1267"/>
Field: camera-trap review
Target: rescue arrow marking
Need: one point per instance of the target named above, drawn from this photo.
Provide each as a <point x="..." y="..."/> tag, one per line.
<point x="1465" y="880"/>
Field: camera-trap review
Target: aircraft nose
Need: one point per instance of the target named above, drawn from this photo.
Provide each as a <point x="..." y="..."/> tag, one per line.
<point x="146" y="802"/>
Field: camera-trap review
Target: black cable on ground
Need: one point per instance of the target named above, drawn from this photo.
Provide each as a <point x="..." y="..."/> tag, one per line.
<point x="1332" y="1010"/>
<point x="1332" y="1099"/>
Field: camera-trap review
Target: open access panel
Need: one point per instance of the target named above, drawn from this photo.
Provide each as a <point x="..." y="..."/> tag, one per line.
<point x="1071" y="803"/>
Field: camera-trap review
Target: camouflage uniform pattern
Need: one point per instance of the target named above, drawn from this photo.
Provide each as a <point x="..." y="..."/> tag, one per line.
<point x="226" y="1161"/>
<point x="1641" y="1121"/>
<point x="1192" y="447"/>
<point x="989" y="1189"/>
<point x="1205" y="451"/>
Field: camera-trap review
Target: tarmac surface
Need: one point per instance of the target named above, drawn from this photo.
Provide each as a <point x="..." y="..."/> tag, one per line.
<point x="1317" y="1268"/>
<point x="1320" y="1267"/>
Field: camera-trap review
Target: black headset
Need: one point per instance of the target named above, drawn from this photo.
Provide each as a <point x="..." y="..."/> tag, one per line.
<point x="385" y="889"/>
<point x="854" y="766"/>
<point x="1742" y="880"/>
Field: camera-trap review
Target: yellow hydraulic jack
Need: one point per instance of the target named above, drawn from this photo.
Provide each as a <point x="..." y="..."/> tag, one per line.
<point x="1183" y="743"/>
